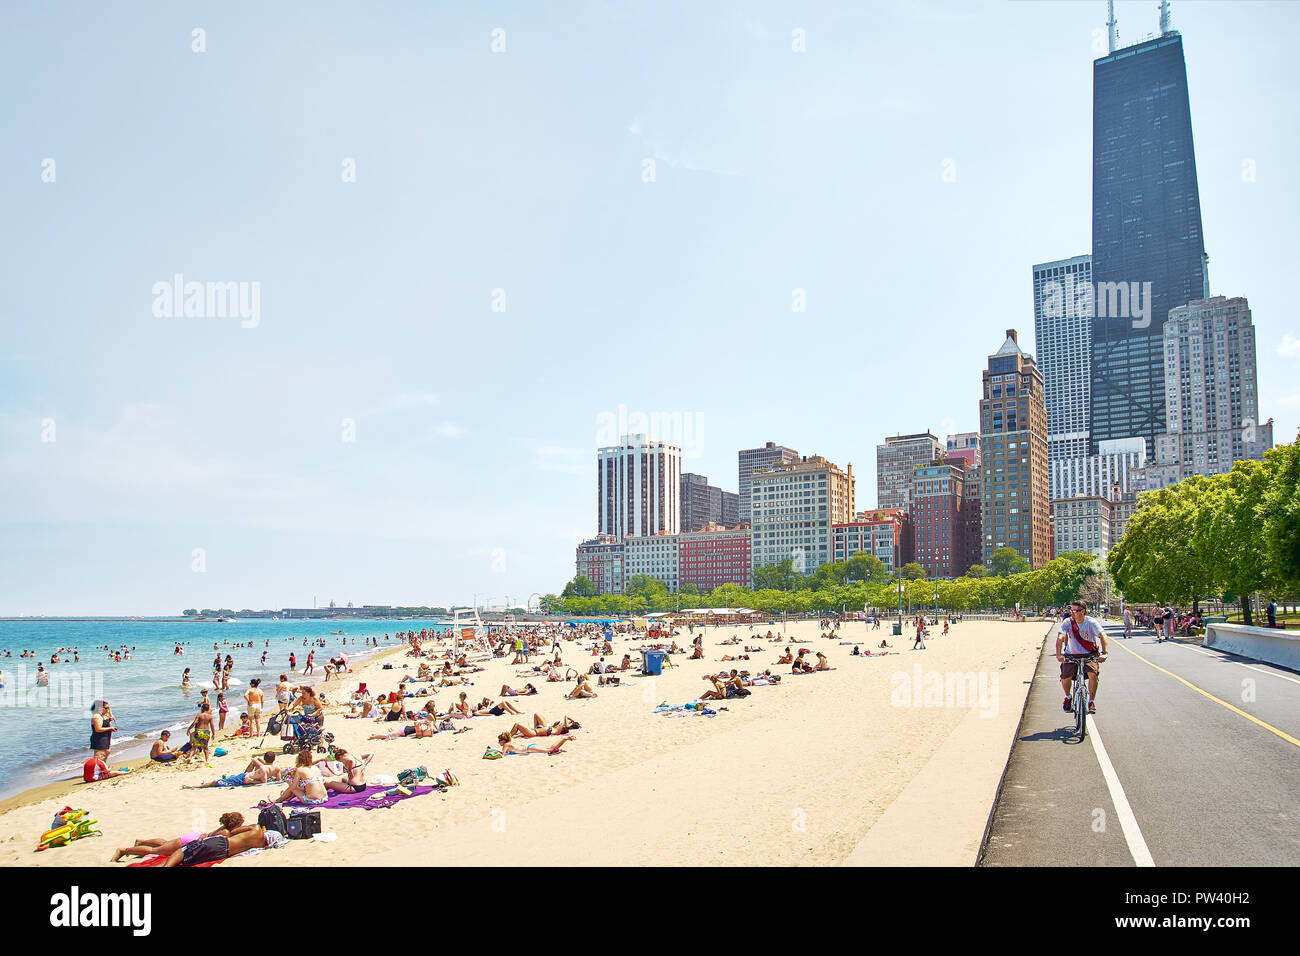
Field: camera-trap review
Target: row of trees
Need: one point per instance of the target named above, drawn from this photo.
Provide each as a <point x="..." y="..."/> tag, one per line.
<point x="834" y="586"/>
<point x="1218" y="536"/>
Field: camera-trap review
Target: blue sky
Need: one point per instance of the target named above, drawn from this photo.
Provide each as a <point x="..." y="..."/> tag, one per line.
<point x="472" y="468"/>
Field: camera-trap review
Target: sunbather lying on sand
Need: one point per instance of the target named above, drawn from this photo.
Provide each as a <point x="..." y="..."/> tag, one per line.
<point x="508" y="746"/>
<point x="541" y="728"/>
<point x="421" y="728"/>
<point x="222" y="847"/>
<point x="581" y="689"/>
<point x="149" y="847"/>
<point x="259" y="770"/>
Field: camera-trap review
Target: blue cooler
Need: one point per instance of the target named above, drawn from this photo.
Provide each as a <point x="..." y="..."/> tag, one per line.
<point x="654" y="661"/>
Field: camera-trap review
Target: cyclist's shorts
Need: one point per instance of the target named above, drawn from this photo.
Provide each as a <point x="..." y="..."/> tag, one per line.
<point x="1070" y="668"/>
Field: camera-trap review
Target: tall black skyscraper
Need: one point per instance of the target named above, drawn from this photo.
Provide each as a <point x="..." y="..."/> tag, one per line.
<point x="1146" y="227"/>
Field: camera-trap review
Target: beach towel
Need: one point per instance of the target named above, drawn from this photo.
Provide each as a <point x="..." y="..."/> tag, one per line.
<point x="371" y="799"/>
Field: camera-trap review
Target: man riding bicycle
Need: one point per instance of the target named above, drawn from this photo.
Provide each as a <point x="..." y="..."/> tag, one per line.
<point x="1080" y="635"/>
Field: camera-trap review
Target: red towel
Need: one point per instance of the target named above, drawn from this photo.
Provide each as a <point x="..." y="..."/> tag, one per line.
<point x="158" y="859"/>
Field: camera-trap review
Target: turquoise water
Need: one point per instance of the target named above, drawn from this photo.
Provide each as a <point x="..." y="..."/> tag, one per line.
<point x="45" y="732"/>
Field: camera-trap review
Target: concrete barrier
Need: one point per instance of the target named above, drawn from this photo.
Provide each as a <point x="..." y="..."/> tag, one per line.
<point x="1262" y="643"/>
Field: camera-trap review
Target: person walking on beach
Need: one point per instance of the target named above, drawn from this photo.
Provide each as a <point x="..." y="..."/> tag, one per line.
<point x="102" y="726"/>
<point x="311" y="666"/>
<point x="200" y="731"/>
<point x="293" y="662"/>
<point x="253" y="697"/>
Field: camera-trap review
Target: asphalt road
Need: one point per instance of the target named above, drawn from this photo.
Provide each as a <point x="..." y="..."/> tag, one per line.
<point x="1197" y="780"/>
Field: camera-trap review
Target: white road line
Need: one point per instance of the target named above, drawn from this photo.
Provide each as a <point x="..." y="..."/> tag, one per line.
<point x="1249" y="667"/>
<point x="1127" y="821"/>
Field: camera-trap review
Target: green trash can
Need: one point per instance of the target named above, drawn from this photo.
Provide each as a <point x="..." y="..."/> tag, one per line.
<point x="898" y="630"/>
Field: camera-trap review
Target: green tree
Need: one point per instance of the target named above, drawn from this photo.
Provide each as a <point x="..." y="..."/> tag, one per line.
<point x="777" y="576"/>
<point x="977" y="571"/>
<point x="1279" y="514"/>
<point x="1006" y="561"/>
<point x="913" y="572"/>
<point x="865" y="567"/>
<point x="581" y="586"/>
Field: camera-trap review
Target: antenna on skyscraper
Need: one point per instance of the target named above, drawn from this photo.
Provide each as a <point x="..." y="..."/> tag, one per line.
<point x="1164" y="17"/>
<point x="1110" y="23"/>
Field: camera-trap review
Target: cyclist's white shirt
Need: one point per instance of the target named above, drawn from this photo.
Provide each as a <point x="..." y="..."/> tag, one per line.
<point x="1089" y="628"/>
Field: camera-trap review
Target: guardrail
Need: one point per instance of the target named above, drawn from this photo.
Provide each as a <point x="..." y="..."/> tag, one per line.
<point x="1262" y="643"/>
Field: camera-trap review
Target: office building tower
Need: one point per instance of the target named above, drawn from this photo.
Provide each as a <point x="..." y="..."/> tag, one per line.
<point x="1063" y="314"/>
<point x="793" y="507"/>
<point x="1013" y="444"/>
<point x="896" y="460"/>
<point x="755" y="459"/>
<point x="1148" y="251"/>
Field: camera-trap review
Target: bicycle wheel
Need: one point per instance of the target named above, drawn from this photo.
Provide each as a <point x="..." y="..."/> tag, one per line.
<point x="1080" y="708"/>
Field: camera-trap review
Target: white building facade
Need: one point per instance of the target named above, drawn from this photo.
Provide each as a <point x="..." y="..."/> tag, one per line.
<point x="638" y="487"/>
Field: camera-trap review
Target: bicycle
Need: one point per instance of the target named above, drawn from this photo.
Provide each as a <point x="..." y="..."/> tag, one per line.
<point x="1079" y="697"/>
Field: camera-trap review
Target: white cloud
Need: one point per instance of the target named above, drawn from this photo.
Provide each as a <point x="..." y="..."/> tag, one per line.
<point x="1289" y="347"/>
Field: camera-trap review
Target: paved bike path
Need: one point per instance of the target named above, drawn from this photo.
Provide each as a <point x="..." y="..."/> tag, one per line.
<point x="1206" y="784"/>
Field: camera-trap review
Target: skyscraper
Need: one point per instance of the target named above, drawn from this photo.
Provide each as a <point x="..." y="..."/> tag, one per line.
<point x="896" y="460"/>
<point x="751" y="460"/>
<point x="1148" y="253"/>
<point x="1013" y="445"/>
<point x="1211" y="390"/>
<point x="1063" y="313"/>
<point x="638" y="487"/>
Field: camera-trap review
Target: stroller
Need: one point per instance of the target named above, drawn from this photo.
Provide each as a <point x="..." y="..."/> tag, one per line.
<point x="300" y="734"/>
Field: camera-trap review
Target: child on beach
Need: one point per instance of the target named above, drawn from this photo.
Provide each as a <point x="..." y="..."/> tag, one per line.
<point x="222" y="710"/>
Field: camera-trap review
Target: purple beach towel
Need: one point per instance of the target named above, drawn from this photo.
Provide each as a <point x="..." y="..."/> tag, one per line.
<point x="344" y="801"/>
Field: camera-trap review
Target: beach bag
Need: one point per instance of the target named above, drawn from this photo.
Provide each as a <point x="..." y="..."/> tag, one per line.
<point x="302" y="825"/>
<point x="410" y="778"/>
<point x="273" y="725"/>
<point x="272" y="818"/>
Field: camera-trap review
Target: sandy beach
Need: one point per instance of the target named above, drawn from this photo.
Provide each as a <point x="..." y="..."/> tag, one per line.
<point x="879" y="761"/>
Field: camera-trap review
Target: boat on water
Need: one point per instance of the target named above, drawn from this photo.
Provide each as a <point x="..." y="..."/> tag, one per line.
<point x="226" y="620"/>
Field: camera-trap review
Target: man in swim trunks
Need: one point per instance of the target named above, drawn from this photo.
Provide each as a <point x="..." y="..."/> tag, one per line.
<point x="259" y="770"/>
<point x="222" y="847"/>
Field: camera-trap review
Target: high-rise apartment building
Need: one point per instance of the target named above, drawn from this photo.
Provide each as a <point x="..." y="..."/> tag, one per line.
<point x="792" y="509"/>
<point x="755" y="459"/>
<point x="1148" y="252"/>
<point x="638" y="487"/>
<point x="1211" y="391"/>
<point x="1063" y="314"/>
<point x="945" y="520"/>
<point x="896" y="460"/>
<point x="1013" y="443"/>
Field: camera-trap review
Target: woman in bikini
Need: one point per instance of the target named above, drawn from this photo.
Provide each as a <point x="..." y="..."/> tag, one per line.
<point x="307" y="785"/>
<point x="354" y="778"/>
<point x="508" y="746"/>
